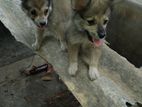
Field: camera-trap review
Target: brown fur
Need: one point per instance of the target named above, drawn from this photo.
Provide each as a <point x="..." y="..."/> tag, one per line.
<point x="77" y="38"/>
<point x="57" y="19"/>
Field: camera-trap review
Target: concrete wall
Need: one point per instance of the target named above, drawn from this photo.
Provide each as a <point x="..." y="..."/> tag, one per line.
<point x="125" y="30"/>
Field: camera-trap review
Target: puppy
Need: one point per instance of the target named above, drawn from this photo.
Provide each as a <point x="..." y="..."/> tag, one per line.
<point x="49" y="16"/>
<point x="86" y="34"/>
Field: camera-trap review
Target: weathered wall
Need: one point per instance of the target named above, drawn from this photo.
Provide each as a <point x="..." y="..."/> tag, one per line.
<point x="125" y="30"/>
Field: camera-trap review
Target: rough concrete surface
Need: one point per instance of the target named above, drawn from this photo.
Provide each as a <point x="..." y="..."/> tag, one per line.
<point x="18" y="90"/>
<point x="120" y="81"/>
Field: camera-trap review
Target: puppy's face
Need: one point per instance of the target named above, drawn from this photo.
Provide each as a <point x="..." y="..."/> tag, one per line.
<point x="38" y="11"/>
<point x="95" y="27"/>
<point x="96" y="24"/>
<point x="94" y="16"/>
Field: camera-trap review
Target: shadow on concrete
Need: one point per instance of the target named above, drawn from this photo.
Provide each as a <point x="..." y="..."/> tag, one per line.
<point x="10" y="49"/>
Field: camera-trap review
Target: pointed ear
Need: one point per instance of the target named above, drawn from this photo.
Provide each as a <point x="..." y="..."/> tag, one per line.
<point x="79" y="5"/>
<point x="50" y="4"/>
<point x="128" y="104"/>
<point x="108" y="12"/>
<point x="24" y="0"/>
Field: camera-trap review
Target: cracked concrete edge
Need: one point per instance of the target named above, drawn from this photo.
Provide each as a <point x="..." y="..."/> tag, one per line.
<point x="106" y="90"/>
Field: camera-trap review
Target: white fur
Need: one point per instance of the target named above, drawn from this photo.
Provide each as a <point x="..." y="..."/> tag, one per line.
<point x="36" y="46"/>
<point x="38" y="40"/>
<point x="73" y="69"/>
<point x="93" y="73"/>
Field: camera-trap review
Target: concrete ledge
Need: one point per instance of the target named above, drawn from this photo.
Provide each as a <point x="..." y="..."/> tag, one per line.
<point x="120" y="81"/>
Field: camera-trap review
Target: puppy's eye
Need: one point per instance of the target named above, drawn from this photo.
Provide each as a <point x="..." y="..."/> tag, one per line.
<point x="45" y="11"/>
<point x="34" y="12"/>
<point x="105" y="22"/>
<point x="91" y="22"/>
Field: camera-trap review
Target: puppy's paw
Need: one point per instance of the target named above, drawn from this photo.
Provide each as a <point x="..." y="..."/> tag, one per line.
<point x="36" y="46"/>
<point x="93" y="73"/>
<point x="73" y="69"/>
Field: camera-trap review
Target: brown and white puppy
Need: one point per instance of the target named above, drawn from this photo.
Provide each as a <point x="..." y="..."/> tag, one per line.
<point x="86" y="34"/>
<point x="49" y="16"/>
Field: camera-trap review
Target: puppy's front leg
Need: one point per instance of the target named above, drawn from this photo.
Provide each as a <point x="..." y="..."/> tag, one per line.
<point x="38" y="36"/>
<point x="62" y="42"/>
<point x="94" y="59"/>
<point x="73" y="59"/>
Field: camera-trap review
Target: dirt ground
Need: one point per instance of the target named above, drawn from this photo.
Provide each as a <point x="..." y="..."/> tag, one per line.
<point x="18" y="90"/>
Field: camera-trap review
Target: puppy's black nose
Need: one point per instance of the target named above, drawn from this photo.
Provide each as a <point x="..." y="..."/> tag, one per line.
<point x="42" y="23"/>
<point x="102" y="35"/>
<point x="101" y="32"/>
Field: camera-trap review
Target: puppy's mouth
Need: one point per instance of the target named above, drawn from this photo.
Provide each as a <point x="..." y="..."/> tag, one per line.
<point x="95" y="41"/>
<point x="42" y="26"/>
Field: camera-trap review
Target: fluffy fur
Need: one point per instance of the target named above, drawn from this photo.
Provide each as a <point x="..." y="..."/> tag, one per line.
<point x="86" y="33"/>
<point x="48" y="15"/>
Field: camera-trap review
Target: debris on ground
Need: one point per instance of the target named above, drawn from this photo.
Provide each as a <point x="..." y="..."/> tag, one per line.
<point x="39" y="69"/>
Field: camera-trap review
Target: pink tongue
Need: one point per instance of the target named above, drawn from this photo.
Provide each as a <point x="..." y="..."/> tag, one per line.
<point x="98" y="42"/>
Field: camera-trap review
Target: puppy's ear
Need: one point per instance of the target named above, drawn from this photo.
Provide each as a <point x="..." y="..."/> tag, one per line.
<point x="108" y="12"/>
<point x="79" y="5"/>
<point x="50" y="4"/>
<point x="24" y="0"/>
<point x="128" y="104"/>
<point x="24" y="5"/>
